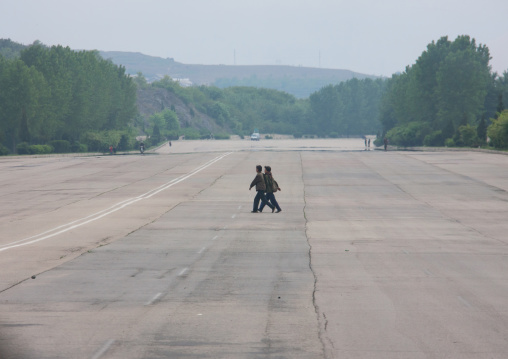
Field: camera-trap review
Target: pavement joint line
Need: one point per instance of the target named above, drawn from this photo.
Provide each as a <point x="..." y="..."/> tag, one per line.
<point x="405" y="252"/>
<point x="155" y="297"/>
<point x="428" y="272"/>
<point x="98" y="215"/>
<point x="104" y="349"/>
<point x="183" y="271"/>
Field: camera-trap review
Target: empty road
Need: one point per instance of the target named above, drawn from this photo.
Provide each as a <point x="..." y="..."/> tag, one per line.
<point x="374" y="255"/>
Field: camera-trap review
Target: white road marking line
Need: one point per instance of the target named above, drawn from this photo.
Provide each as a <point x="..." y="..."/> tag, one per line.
<point x="202" y="250"/>
<point x="233" y="216"/>
<point x="98" y="215"/>
<point x="183" y="271"/>
<point x="405" y="252"/>
<point x="465" y="302"/>
<point x="104" y="349"/>
<point x="151" y="301"/>
<point x="428" y="272"/>
<point x="214" y="238"/>
<point x="240" y="207"/>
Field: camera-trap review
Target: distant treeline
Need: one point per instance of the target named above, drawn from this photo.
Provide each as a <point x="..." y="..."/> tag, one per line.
<point x="56" y="99"/>
<point x="347" y="109"/>
<point x="448" y="97"/>
<point x="56" y="94"/>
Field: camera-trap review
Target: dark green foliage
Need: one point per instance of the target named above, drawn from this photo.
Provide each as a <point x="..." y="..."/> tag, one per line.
<point x="125" y="143"/>
<point x="466" y="136"/>
<point x="55" y="93"/>
<point x="191" y="133"/>
<point x="79" y="147"/>
<point x="498" y="131"/>
<point x="10" y="49"/>
<point x="100" y="141"/>
<point x="60" y="146"/>
<point x="410" y="134"/>
<point x="449" y="129"/>
<point x="436" y="138"/>
<point x="500" y="105"/>
<point x="221" y="136"/>
<point x="350" y="108"/>
<point x="449" y="86"/>
<point x="23" y="148"/>
<point x="4" y="151"/>
<point x="481" y="130"/>
<point x="40" y="149"/>
<point x="156" y="135"/>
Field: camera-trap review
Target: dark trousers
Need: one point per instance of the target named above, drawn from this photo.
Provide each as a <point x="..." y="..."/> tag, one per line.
<point x="260" y="196"/>
<point x="270" y="197"/>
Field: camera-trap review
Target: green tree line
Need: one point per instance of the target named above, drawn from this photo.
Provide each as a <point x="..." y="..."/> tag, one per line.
<point x="348" y="109"/>
<point x="57" y="94"/>
<point x="448" y="97"/>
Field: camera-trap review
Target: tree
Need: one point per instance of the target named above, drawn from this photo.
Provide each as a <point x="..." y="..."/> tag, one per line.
<point x="171" y="122"/>
<point x="462" y="81"/>
<point x="20" y="110"/>
<point x="481" y="130"/>
<point x="498" y="131"/>
<point x="446" y="88"/>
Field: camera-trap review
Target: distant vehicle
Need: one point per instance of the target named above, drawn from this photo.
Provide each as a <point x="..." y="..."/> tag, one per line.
<point x="255" y="137"/>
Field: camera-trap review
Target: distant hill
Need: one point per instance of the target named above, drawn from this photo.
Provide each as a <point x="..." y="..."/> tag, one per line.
<point x="298" y="81"/>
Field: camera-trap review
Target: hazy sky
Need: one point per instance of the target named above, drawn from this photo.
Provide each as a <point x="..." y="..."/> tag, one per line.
<point x="377" y="37"/>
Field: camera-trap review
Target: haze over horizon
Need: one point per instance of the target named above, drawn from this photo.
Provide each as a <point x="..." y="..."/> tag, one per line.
<point x="365" y="36"/>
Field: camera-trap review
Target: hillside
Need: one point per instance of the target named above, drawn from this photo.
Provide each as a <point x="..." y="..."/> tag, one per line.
<point x="152" y="100"/>
<point x="298" y="81"/>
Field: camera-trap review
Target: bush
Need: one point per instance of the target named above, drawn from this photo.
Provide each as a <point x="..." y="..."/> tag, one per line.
<point x="125" y="143"/>
<point x="498" y="131"/>
<point x="22" y="148"/>
<point x="411" y="134"/>
<point x="3" y="150"/>
<point x="222" y="136"/>
<point x="333" y="135"/>
<point x="268" y="137"/>
<point x="61" y="146"/>
<point x="436" y="138"/>
<point x="40" y="149"/>
<point x="100" y="141"/>
<point x="466" y="136"/>
<point x="449" y="142"/>
<point x="79" y="147"/>
<point x="297" y="135"/>
<point x="191" y="133"/>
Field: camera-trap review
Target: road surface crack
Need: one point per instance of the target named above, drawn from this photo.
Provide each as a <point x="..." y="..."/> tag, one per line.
<point x="321" y="328"/>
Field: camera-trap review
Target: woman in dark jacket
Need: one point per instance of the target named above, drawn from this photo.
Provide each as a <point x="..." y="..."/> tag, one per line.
<point x="259" y="182"/>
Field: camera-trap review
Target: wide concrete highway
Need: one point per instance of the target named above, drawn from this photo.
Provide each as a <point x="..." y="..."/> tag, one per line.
<point x="374" y="255"/>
